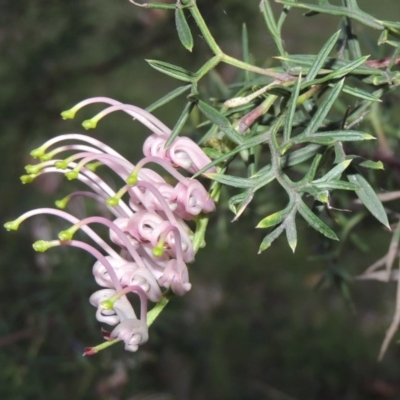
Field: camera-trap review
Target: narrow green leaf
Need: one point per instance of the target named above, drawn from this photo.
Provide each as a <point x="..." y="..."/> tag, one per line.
<point x="361" y="94"/>
<point x="214" y="154"/>
<point x="300" y="155"/>
<point x="237" y="204"/>
<point x="270" y="21"/>
<point x="358" y="15"/>
<point x="291" y="106"/>
<point x="330" y="65"/>
<point x="180" y="123"/>
<point x="369" y="198"/>
<point x="235" y="181"/>
<point x="323" y="109"/>
<point x="313" y="169"/>
<point x="363" y="162"/>
<point x="393" y="249"/>
<point x="332" y="185"/>
<point x="168" y="97"/>
<point x="391" y="24"/>
<point x="347" y="69"/>
<point x="314" y="221"/>
<point x="173" y="70"/>
<point x="218" y="119"/>
<point x="349" y="35"/>
<point x="335" y="172"/>
<point x="249" y="143"/>
<point x="208" y="66"/>
<point x="332" y="137"/>
<point x="321" y="57"/>
<point x="245" y="51"/>
<point x="267" y="241"/>
<point x="394" y="58"/>
<point x="185" y="36"/>
<point x="274" y="219"/>
<point x="291" y="231"/>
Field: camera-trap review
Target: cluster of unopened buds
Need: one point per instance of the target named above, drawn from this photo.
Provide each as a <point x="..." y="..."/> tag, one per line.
<point x="153" y="241"/>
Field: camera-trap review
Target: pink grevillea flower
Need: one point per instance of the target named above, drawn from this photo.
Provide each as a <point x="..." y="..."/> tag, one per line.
<point x="149" y="216"/>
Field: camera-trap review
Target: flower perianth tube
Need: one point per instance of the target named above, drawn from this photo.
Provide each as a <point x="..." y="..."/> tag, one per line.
<point x="67" y="234"/>
<point x="147" y="119"/>
<point x="13" y="225"/>
<point x="40" y="151"/>
<point x="42" y="245"/>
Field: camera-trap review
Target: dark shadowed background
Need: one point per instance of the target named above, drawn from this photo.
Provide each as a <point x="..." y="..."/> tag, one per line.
<point x="253" y="327"/>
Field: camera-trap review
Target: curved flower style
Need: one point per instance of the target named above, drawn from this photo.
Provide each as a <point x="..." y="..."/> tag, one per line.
<point x="149" y="227"/>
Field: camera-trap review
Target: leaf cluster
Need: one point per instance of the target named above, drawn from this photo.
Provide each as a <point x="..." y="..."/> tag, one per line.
<point x="289" y="118"/>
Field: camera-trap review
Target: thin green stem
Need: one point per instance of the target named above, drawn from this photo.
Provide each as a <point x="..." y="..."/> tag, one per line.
<point x="156" y="310"/>
<point x="203" y="28"/>
<point x="252" y="68"/>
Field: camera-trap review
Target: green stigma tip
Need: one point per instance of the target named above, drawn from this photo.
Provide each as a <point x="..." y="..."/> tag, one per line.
<point x="32" y="169"/>
<point x="61" y="203"/>
<point x="132" y="179"/>
<point x="71" y="175"/>
<point x="89" y="124"/>
<point x="112" y="201"/>
<point x="27" y="178"/>
<point x="157" y="251"/>
<point x="37" y="153"/>
<point x="46" y="157"/>
<point x="11" y="225"/>
<point x="107" y="304"/>
<point x="92" y="166"/>
<point x="41" y="246"/>
<point x="61" y="164"/>
<point x="65" y="235"/>
<point x="68" y="114"/>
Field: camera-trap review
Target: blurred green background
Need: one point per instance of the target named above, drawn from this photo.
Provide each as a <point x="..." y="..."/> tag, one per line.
<point x="253" y="327"/>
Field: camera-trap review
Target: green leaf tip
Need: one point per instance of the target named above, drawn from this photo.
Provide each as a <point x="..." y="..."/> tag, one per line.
<point x="369" y="198"/>
<point x="184" y="33"/>
<point x="273" y="219"/>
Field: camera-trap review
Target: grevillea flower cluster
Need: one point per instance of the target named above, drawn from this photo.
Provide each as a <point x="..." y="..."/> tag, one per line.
<point x="152" y="242"/>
